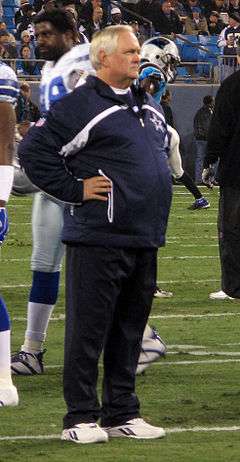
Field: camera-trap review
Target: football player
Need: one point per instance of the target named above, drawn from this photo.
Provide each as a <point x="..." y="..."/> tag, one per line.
<point x="8" y="95"/>
<point x="160" y="58"/>
<point x="57" y="40"/>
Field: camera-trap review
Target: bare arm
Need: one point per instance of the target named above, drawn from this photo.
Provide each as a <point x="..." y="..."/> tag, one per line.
<point x="7" y="130"/>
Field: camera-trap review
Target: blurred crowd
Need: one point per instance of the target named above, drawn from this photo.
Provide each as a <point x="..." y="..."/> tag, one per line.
<point x="147" y="17"/>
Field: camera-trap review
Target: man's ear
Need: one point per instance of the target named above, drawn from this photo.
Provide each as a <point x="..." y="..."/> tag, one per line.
<point x="103" y="58"/>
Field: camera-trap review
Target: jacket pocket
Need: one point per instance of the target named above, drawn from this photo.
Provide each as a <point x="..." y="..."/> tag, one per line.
<point x="110" y="197"/>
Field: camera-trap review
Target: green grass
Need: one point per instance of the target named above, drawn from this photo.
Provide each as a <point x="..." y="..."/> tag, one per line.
<point x="173" y="393"/>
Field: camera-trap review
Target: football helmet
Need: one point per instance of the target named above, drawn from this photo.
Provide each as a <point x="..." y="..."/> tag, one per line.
<point x="164" y="53"/>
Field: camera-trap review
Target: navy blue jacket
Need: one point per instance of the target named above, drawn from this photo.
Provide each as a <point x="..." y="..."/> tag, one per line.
<point x="91" y="132"/>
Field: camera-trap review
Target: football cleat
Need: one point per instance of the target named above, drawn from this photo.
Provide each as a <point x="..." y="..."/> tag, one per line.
<point x="85" y="433"/>
<point x="159" y="293"/>
<point x="201" y="203"/>
<point x="153" y="347"/>
<point x="23" y="363"/>
<point x="220" y="295"/>
<point x="136" y="428"/>
<point x="8" y="396"/>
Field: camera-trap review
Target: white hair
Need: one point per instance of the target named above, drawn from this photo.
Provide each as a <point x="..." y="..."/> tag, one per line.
<point x="107" y="40"/>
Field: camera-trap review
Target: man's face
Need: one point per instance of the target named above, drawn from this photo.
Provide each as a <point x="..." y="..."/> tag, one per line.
<point x="52" y="44"/>
<point x="232" y="22"/>
<point x="117" y="17"/>
<point x="166" y="7"/>
<point x="123" y="64"/>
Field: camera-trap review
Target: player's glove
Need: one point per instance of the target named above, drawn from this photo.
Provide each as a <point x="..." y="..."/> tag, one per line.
<point x="3" y="224"/>
<point x="208" y="176"/>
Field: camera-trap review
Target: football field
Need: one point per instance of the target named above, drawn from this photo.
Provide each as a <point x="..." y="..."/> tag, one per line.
<point x="194" y="393"/>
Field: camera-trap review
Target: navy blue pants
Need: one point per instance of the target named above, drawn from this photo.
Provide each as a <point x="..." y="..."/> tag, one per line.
<point x="109" y="294"/>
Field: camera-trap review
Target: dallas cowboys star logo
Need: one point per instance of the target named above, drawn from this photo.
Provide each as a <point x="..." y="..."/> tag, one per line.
<point x="157" y="122"/>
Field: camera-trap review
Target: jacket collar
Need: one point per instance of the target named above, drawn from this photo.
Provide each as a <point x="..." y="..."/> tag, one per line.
<point x="105" y="90"/>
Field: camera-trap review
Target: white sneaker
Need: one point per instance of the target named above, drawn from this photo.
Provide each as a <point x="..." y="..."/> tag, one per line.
<point x="85" y="433"/>
<point x="220" y="295"/>
<point x="153" y="347"/>
<point x="136" y="428"/>
<point x="9" y="396"/>
<point x="159" y="293"/>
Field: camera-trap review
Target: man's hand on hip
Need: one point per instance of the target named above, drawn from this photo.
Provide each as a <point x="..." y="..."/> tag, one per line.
<point x="95" y="188"/>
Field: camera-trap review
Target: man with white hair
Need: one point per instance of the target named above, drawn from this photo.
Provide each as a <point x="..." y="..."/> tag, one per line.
<point x="116" y="185"/>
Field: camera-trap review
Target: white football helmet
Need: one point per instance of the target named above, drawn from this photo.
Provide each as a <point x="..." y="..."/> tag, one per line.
<point x="163" y="52"/>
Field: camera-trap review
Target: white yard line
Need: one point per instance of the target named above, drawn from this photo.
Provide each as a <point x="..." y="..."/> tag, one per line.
<point x="188" y="281"/>
<point x="189" y="257"/>
<point x="61" y="316"/>
<point x="56" y="436"/>
<point x="24" y="223"/>
<point x="185" y="316"/>
<point x="170" y="281"/>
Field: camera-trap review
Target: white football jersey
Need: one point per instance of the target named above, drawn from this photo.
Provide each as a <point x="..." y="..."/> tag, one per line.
<point x="60" y="78"/>
<point x="9" y="88"/>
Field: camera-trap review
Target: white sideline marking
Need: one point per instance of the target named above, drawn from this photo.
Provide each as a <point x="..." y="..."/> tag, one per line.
<point x="184" y="257"/>
<point x="56" y="436"/>
<point x="234" y="428"/>
<point x="198" y="281"/>
<point x="192" y="245"/>
<point x="184" y="316"/>
<point x="188" y="281"/>
<point x="61" y="317"/>
<point x="16" y="224"/>
<point x="173" y="363"/>
<point x="189" y="257"/>
<point x="181" y="238"/>
<point x="206" y="353"/>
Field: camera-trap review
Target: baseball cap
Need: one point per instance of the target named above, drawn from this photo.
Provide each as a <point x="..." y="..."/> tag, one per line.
<point x="115" y="10"/>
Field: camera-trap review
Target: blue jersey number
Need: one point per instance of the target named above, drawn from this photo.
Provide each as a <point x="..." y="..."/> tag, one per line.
<point x="56" y="90"/>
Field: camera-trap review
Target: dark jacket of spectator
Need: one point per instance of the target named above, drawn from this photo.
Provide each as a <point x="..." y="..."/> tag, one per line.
<point x="215" y="24"/>
<point x="202" y="118"/>
<point x="167" y="21"/>
<point x="148" y="9"/>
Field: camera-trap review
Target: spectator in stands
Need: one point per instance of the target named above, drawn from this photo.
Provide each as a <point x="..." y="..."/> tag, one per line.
<point x="27" y="66"/>
<point x="234" y="6"/>
<point x="165" y="103"/>
<point x="167" y="22"/>
<point x="215" y="23"/>
<point x="48" y="5"/>
<point x="215" y="5"/>
<point x="84" y="10"/>
<point x="116" y="17"/>
<point x="196" y="23"/>
<point x="201" y="125"/>
<point x="140" y="31"/>
<point x="26" y="39"/>
<point x="3" y="26"/>
<point x="8" y="50"/>
<point x="228" y="42"/>
<point x="26" y="21"/>
<point x="190" y="4"/>
<point x="95" y="24"/>
<point x="24" y="4"/>
<point x="148" y="9"/>
<point x="179" y="8"/>
<point x="26" y="109"/>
